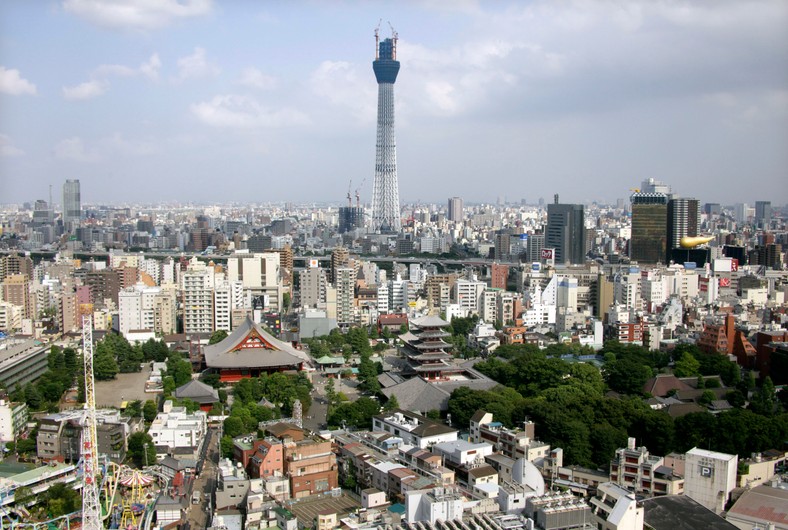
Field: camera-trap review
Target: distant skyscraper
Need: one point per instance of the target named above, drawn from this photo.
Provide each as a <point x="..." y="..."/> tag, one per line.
<point x="649" y="227"/>
<point x="72" y="205"/>
<point x="683" y="221"/>
<point x="455" y="209"/>
<point x="566" y="232"/>
<point x="763" y="213"/>
<point x="385" y="190"/>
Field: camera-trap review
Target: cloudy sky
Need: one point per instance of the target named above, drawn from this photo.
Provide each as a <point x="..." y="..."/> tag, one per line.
<point x="194" y="100"/>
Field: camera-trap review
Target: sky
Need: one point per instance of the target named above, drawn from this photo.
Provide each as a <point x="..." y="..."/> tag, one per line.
<point x="244" y="101"/>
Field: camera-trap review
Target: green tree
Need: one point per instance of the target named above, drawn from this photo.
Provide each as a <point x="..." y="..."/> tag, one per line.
<point x="179" y="368"/>
<point x="141" y="449"/>
<point x="764" y="401"/>
<point x="226" y="446"/>
<point x="133" y="409"/>
<point x="627" y="375"/>
<point x="61" y="500"/>
<point x="391" y="404"/>
<point x="707" y="397"/>
<point x="233" y="426"/>
<point x="23" y="495"/>
<point x="687" y="366"/>
<point x="213" y="380"/>
<point x="150" y="410"/>
<point x="218" y="336"/>
<point x="104" y="365"/>
<point x="168" y="385"/>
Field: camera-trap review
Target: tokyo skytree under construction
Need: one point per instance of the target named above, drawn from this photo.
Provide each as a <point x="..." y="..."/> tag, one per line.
<point x="385" y="190"/>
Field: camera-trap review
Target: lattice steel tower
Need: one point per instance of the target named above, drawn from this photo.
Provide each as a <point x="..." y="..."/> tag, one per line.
<point x="385" y="190"/>
<point x="91" y="508"/>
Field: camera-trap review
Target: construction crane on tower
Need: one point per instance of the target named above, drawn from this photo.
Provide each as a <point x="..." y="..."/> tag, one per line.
<point x="91" y="507"/>
<point x="349" y="198"/>
<point x="358" y="197"/>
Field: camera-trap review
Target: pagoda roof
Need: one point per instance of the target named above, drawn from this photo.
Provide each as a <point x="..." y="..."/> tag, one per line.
<point x="430" y="356"/>
<point x="250" y="346"/>
<point x="430" y="322"/>
<point x="431" y="345"/>
<point x="432" y="333"/>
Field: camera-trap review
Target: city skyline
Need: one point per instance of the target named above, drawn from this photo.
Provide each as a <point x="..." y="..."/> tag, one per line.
<point x="197" y="101"/>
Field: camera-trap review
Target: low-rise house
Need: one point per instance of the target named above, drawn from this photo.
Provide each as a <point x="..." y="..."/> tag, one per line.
<point x="636" y="469"/>
<point x="414" y="429"/>
<point x="616" y="508"/>
<point x="232" y="485"/>
<point x="514" y="443"/>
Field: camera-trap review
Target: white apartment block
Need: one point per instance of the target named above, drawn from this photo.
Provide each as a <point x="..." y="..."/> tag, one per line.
<point x="259" y="274"/>
<point x="197" y="285"/>
<point x="626" y="290"/>
<point x="468" y="295"/>
<point x="174" y="428"/>
<point x="228" y="296"/>
<point x="414" y="429"/>
<point x="488" y="310"/>
<point x="136" y="308"/>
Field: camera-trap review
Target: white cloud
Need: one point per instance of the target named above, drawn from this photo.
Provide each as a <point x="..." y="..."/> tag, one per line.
<point x="149" y="69"/>
<point x="342" y="84"/>
<point x="6" y="149"/>
<point x="11" y="82"/>
<point x="74" y="149"/>
<point x="196" y="65"/>
<point x="87" y="90"/>
<point x="136" y="14"/>
<point x="254" y="78"/>
<point x="244" y="112"/>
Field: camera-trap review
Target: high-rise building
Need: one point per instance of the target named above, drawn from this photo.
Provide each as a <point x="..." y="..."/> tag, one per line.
<point x="72" y="204"/>
<point x="683" y="221"/>
<point x="566" y="232"/>
<point x="763" y="213"/>
<point x="455" y="209"/>
<point x="534" y="247"/>
<point x="350" y="218"/>
<point x="345" y="286"/>
<point x="649" y="227"/>
<point x="385" y="190"/>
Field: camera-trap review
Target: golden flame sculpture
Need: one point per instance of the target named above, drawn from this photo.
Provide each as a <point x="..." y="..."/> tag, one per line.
<point x="692" y="242"/>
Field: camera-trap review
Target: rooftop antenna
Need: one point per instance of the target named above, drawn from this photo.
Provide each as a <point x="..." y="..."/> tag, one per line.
<point x="51" y="206"/>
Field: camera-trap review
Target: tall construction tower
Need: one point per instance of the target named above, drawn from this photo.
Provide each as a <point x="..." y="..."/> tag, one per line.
<point x="385" y="189"/>
<point x="91" y="508"/>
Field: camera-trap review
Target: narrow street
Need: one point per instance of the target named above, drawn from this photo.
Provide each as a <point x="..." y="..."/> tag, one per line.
<point x="197" y="514"/>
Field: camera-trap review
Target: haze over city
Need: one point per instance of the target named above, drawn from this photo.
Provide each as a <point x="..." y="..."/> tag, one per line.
<point x="241" y="101"/>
